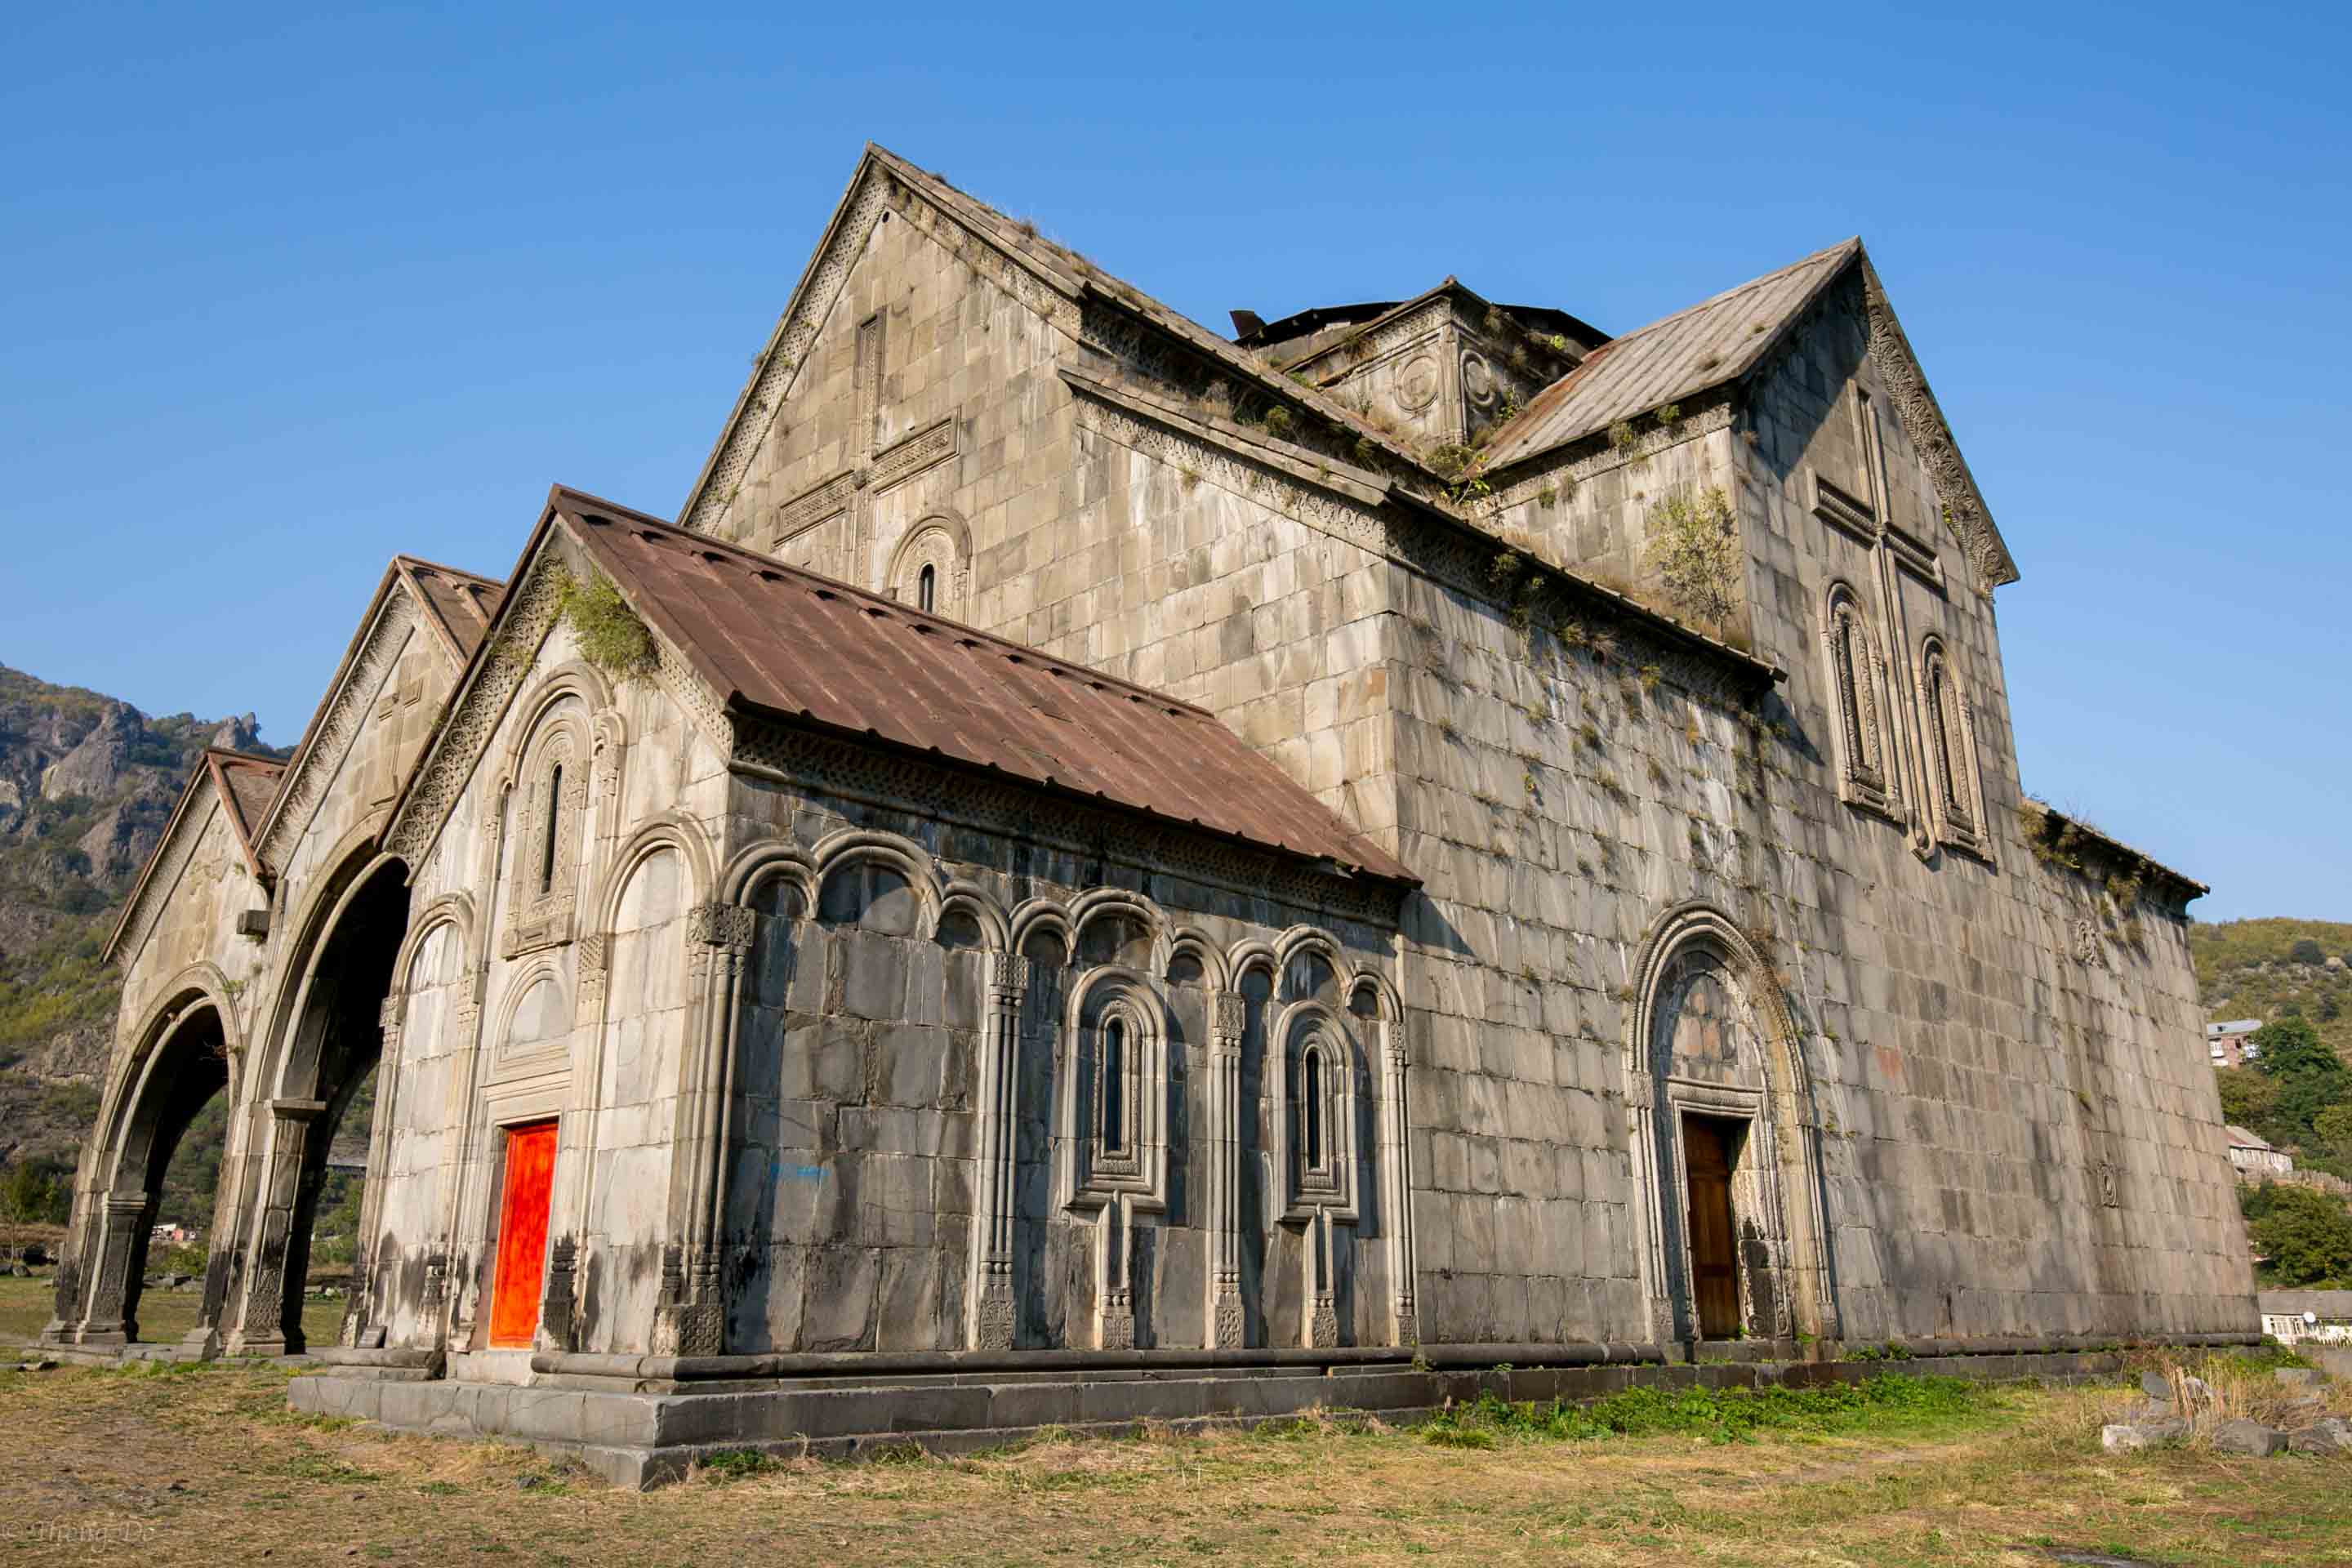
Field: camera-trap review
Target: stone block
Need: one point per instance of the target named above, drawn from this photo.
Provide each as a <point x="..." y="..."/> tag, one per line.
<point x="2249" y="1437"/>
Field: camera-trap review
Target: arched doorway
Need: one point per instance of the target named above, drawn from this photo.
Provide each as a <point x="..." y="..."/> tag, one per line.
<point x="332" y="1041"/>
<point x="101" y="1288"/>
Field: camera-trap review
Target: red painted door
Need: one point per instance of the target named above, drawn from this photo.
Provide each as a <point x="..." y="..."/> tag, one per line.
<point x="522" y="1235"/>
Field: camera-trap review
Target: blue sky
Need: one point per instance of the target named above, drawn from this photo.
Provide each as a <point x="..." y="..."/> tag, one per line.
<point x="286" y="292"/>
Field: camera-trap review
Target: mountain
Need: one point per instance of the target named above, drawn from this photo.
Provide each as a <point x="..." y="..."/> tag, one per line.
<point x="2271" y="969"/>
<point x="87" y="784"/>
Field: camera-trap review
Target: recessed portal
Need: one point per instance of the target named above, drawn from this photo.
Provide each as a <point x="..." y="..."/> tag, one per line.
<point x="1710" y="1151"/>
<point x="522" y="1235"/>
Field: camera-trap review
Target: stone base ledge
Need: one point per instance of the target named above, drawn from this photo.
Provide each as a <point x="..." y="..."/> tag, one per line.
<point x="637" y="1431"/>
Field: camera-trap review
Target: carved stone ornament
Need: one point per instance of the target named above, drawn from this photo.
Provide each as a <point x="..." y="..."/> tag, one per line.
<point x="1416" y="384"/>
<point x="729" y="926"/>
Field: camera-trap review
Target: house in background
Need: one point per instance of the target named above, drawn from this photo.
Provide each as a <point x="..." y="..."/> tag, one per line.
<point x="2253" y="1159"/>
<point x="2229" y="1045"/>
<point x="2318" y="1316"/>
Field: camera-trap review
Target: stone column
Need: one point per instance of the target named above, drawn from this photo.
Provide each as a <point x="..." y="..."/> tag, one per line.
<point x="261" y="1326"/>
<point x="1322" y="1313"/>
<point x="1115" y="1293"/>
<point x="359" y="1297"/>
<point x="120" y="1221"/>
<point x="1396" y="1184"/>
<point x="64" y="1327"/>
<point x="692" y="1318"/>
<point x="1228" y="1020"/>
<point x="990" y="1290"/>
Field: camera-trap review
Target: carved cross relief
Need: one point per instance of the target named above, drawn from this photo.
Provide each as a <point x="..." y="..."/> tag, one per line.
<point x="1865" y="515"/>
<point x="849" y="497"/>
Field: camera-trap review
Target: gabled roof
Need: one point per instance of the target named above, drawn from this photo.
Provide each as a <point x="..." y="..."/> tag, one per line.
<point x="1059" y="269"/>
<point x="457" y="605"/>
<point x="2241" y="1139"/>
<point x="775" y="641"/>
<point x="1690" y="351"/>
<point x="245" y="785"/>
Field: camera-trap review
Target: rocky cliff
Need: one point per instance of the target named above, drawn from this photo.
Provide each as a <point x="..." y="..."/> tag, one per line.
<point x="87" y="784"/>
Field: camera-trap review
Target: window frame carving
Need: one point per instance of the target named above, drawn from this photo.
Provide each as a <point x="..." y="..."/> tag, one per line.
<point x="1867" y="775"/>
<point x="1097" y="1175"/>
<point x="1955" y="791"/>
<point x="543" y="910"/>
<point x="941" y="543"/>
<point x="1328" y="1187"/>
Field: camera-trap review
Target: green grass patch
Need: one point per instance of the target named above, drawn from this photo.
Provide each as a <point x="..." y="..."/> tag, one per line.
<point x="1889" y="1401"/>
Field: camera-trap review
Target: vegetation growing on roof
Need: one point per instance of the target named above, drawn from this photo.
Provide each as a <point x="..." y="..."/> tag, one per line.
<point x="612" y="636"/>
<point x="1694" y="550"/>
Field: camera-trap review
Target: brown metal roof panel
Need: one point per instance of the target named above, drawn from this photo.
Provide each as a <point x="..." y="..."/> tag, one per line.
<point x="1675" y="357"/>
<point x="788" y="642"/>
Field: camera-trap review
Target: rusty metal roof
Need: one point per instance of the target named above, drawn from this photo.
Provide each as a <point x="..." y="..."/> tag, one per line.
<point x="457" y="605"/>
<point x="774" y="640"/>
<point x="1712" y="342"/>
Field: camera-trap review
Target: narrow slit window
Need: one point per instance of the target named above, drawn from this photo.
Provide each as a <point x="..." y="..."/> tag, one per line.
<point x="1313" y="1095"/>
<point x="547" y="830"/>
<point x="927" y="589"/>
<point x="1114" y="1088"/>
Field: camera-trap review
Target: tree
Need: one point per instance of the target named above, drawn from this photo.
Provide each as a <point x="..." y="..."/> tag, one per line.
<point x="31" y="1194"/>
<point x="2248" y="1097"/>
<point x="2306" y="951"/>
<point x="2305" y="1235"/>
<point x="2311" y="1078"/>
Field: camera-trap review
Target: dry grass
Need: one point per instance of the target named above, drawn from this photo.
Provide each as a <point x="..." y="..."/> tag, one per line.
<point x="174" y="1464"/>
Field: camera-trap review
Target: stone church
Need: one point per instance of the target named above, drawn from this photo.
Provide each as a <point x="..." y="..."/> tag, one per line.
<point x="1416" y="828"/>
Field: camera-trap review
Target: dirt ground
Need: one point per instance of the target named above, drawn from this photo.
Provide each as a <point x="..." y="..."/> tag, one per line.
<point x="167" y="1464"/>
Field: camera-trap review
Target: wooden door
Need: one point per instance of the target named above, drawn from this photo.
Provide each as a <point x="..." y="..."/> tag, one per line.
<point x="522" y="1235"/>
<point x="1714" y="1258"/>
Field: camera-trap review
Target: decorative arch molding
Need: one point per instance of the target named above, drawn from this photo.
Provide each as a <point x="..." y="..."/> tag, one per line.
<point x="1038" y="915"/>
<point x="904" y="856"/>
<point x="1191" y="941"/>
<point x="965" y="897"/>
<point x="766" y="860"/>
<point x="1253" y="954"/>
<point x="526" y="976"/>
<point x="941" y="540"/>
<point x="665" y="830"/>
<point x="1783" y="1136"/>
<point x="1096" y="903"/>
<point x="454" y="909"/>
<point x="1862" y="715"/>
<point x="1390" y="1001"/>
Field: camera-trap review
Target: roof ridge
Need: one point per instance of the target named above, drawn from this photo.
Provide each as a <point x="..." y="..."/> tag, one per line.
<point x="1852" y="243"/>
<point x="405" y="559"/>
<point x="754" y="561"/>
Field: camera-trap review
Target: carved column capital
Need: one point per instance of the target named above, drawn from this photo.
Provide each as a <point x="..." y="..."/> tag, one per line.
<point x="729" y="927"/>
<point x="1229" y="1015"/>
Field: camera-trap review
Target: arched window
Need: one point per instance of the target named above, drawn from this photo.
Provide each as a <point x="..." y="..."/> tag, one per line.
<point x="1857" y="693"/>
<point x="1114" y="1088"/>
<point x="1312" y="1094"/>
<point x="931" y="567"/>
<point x="1951" y="752"/>
<point x="543" y="857"/>
<point x="549" y="830"/>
